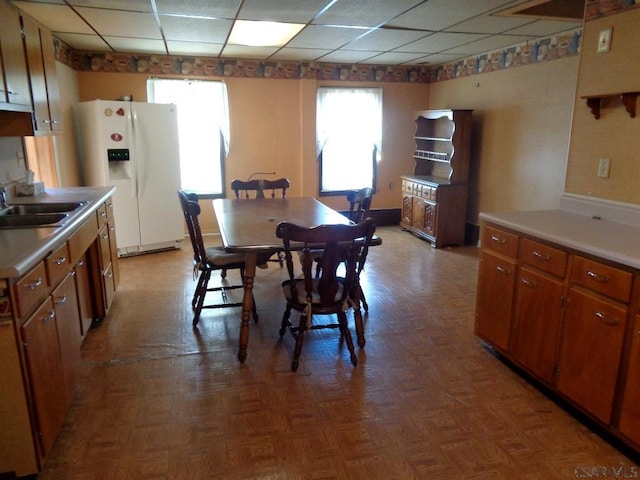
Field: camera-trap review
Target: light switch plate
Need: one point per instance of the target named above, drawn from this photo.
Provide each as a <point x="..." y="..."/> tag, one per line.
<point x="604" y="40"/>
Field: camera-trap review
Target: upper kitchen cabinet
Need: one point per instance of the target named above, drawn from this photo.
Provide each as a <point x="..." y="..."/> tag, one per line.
<point x="14" y="83"/>
<point x="38" y="46"/>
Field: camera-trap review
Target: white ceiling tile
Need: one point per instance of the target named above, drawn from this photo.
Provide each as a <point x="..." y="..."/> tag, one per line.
<point x="122" y="24"/>
<point x="489" y="24"/>
<point x="298" y="54"/>
<point x="416" y="29"/>
<point x="315" y="36"/>
<point x="367" y="13"/>
<point x="195" y="29"/>
<point x="441" y="41"/>
<point x="242" y="51"/>
<point x="79" y="41"/>
<point x="288" y="11"/>
<point x="394" y="58"/>
<point x="383" y="39"/>
<point x="199" y="8"/>
<point x="136" y="45"/>
<point x="129" y="5"/>
<point x="442" y="14"/>
<point x="440" y="58"/>
<point x="57" y="18"/>
<point x="347" y="56"/>
<point x="487" y="44"/>
<point x="194" y="48"/>
<point x="541" y="28"/>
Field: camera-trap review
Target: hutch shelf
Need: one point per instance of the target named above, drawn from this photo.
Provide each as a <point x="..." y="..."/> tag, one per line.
<point x="434" y="198"/>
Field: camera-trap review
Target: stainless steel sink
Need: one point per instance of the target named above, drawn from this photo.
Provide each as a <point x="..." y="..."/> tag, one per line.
<point x="39" y="208"/>
<point x="33" y="220"/>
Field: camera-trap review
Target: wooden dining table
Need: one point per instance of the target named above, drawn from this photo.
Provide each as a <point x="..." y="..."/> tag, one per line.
<point x="248" y="226"/>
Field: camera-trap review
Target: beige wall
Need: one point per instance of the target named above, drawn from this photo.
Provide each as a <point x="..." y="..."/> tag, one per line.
<point x="522" y="122"/>
<point x="615" y="135"/>
<point x="272" y="128"/>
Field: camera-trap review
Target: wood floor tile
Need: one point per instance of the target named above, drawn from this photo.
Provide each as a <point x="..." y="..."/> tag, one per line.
<point x="160" y="400"/>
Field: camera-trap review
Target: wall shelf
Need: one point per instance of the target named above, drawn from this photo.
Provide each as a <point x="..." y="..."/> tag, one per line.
<point x="628" y="99"/>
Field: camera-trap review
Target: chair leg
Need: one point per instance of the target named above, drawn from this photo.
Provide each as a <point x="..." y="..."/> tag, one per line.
<point x="198" y="291"/>
<point x="299" y="341"/>
<point x="285" y="321"/>
<point x="202" y="291"/>
<point x="344" y="329"/>
<point x="223" y="273"/>
<point x="363" y="300"/>
<point x="254" y="309"/>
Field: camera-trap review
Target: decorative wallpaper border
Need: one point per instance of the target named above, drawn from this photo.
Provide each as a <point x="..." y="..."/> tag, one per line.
<point x="541" y="50"/>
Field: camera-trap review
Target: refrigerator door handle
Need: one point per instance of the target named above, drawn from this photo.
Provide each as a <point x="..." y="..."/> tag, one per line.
<point x="141" y="156"/>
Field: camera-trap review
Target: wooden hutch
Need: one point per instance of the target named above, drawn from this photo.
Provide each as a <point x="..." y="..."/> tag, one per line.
<point x="434" y="198"/>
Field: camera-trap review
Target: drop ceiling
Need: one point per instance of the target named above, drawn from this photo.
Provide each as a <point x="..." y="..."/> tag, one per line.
<point x="388" y="32"/>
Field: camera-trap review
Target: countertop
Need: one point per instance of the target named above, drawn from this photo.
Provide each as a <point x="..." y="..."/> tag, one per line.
<point x="607" y="239"/>
<point x="22" y="248"/>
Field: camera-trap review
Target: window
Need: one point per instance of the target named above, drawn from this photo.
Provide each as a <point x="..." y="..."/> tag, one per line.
<point x="203" y="130"/>
<point x="349" y="133"/>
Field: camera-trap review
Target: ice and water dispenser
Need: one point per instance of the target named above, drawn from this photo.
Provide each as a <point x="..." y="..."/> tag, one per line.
<point x="119" y="165"/>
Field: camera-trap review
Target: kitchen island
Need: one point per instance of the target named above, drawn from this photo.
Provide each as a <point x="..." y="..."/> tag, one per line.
<point x="55" y="280"/>
<point x="559" y="297"/>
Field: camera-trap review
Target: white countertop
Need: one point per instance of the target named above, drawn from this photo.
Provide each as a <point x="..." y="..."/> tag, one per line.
<point x="592" y="234"/>
<point x="22" y="248"/>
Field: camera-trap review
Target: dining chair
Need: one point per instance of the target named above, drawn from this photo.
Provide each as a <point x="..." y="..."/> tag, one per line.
<point x="359" y="208"/>
<point x="256" y="188"/>
<point x="207" y="259"/>
<point x="328" y="293"/>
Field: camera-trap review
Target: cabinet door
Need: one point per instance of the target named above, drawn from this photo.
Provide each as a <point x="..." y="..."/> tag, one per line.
<point x="42" y="352"/>
<point x="83" y="291"/>
<point x="407" y="203"/>
<point x="590" y="352"/>
<point x="13" y="60"/>
<point x="65" y="304"/>
<point x="42" y="76"/>
<point x="424" y="216"/>
<point x="630" y="412"/>
<point x="537" y="317"/>
<point x="496" y="277"/>
<point x="51" y="78"/>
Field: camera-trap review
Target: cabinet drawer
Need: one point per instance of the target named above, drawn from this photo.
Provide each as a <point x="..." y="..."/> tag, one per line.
<point x="82" y="239"/>
<point x="31" y="289"/>
<point x="500" y="241"/>
<point x="58" y="264"/>
<point x="601" y="278"/>
<point x="544" y="257"/>
<point x="109" y="208"/>
<point x="105" y="248"/>
<point x="101" y="214"/>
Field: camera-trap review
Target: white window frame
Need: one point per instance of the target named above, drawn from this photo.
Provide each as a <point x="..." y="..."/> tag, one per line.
<point x="349" y="138"/>
<point x="203" y="130"/>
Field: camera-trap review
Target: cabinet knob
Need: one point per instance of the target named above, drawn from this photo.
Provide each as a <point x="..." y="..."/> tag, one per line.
<point x="597" y="277"/>
<point x="34" y="285"/>
<point x="61" y="300"/>
<point x="609" y="321"/>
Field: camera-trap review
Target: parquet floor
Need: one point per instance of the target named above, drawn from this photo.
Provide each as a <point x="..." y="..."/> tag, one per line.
<point x="159" y="400"/>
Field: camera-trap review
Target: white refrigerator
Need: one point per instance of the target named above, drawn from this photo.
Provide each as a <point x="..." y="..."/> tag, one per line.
<point x="134" y="147"/>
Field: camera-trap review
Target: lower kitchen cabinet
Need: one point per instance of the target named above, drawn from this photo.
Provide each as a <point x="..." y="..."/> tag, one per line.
<point x="46" y="314"/>
<point x="630" y="411"/>
<point x="537" y="318"/>
<point x="590" y="352"/>
<point x="494" y="299"/>
<point x="46" y="374"/>
<point x="569" y="320"/>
